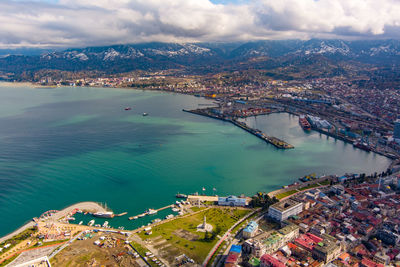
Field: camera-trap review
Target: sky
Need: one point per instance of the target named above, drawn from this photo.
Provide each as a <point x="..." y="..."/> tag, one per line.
<point x="78" y="23"/>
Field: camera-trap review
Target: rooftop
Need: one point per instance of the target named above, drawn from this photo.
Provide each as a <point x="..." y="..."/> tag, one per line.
<point x="288" y="229"/>
<point x="285" y="205"/>
<point x="251" y="227"/>
<point x="327" y="245"/>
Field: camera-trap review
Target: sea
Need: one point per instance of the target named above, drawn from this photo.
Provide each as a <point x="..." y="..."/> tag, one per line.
<point x="63" y="145"/>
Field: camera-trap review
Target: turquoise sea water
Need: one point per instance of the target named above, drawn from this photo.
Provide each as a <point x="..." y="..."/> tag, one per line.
<point x="60" y="146"/>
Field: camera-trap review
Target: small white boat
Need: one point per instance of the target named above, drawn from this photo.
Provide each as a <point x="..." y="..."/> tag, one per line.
<point x="105" y="224"/>
<point x="80" y="222"/>
<point x="145" y="114"/>
<point x="151" y="211"/>
<point x="91" y="223"/>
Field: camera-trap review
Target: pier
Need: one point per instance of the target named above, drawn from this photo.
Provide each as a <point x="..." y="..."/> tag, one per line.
<point x="278" y="143"/>
<point x="146" y="213"/>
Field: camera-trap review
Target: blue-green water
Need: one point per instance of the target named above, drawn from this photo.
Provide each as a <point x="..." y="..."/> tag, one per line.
<point x="65" y="145"/>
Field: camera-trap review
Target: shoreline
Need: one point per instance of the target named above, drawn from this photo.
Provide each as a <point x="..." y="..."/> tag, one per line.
<point x="86" y="205"/>
<point x="17" y="84"/>
<point x="35" y="85"/>
<point x="96" y="205"/>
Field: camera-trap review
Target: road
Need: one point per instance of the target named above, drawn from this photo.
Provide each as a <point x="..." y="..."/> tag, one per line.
<point x="213" y="250"/>
<point x="55" y="252"/>
<point x="236" y="240"/>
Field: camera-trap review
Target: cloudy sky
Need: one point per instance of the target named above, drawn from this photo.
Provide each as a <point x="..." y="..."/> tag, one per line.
<point x="73" y="23"/>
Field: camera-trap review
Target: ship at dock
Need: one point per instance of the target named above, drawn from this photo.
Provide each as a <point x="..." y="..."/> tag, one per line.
<point x="362" y="145"/>
<point x="180" y="195"/>
<point x="108" y="214"/>
<point x="304" y="123"/>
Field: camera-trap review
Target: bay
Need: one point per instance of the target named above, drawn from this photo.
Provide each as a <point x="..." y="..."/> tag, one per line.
<point x="59" y="146"/>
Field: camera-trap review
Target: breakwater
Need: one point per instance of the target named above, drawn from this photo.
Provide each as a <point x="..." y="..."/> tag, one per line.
<point x="278" y="143"/>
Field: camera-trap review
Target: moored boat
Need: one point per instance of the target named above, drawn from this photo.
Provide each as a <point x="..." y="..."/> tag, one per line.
<point x="362" y="145"/>
<point x="151" y="211"/>
<point x="304" y="123"/>
<point x="107" y="214"/>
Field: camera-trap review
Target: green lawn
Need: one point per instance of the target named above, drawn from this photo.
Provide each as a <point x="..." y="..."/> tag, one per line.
<point x="194" y="209"/>
<point x="17" y="239"/>
<point x="4" y="263"/>
<point x="286" y="194"/>
<point x="182" y="232"/>
<point x="326" y="182"/>
<point x="308" y="187"/>
<point x="142" y="251"/>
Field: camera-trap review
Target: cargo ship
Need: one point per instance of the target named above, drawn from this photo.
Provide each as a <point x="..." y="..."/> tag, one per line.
<point x="362" y="145"/>
<point x="304" y="123"/>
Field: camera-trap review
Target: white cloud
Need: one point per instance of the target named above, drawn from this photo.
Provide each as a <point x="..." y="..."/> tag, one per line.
<point x="103" y="22"/>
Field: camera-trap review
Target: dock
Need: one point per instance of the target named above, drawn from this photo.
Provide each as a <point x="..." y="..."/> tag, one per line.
<point x="146" y="213"/>
<point x="278" y="143"/>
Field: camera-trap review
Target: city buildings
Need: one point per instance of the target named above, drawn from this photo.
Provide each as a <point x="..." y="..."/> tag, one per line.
<point x="250" y="230"/>
<point x="283" y="210"/>
<point x="232" y="201"/>
<point x="396" y="132"/>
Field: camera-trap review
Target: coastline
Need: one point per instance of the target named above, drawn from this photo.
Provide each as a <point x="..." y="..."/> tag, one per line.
<point x="87" y="205"/>
<point x="31" y="224"/>
<point x="18" y="84"/>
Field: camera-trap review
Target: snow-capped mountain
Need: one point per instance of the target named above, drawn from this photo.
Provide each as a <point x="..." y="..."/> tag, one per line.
<point x="205" y="56"/>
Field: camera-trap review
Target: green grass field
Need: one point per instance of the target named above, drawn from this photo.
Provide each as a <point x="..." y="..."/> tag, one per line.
<point x="142" y="251"/>
<point x="4" y="263"/>
<point x="17" y="239"/>
<point x="286" y="194"/>
<point x="182" y="232"/>
<point x="326" y="182"/>
<point x="308" y="187"/>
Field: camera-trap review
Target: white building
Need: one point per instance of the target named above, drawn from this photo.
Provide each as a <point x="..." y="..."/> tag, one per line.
<point x="282" y="210"/>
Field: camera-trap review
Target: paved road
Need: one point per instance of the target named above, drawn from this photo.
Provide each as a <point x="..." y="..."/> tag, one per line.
<point x="212" y="251"/>
<point x="236" y="240"/>
<point x="55" y="252"/>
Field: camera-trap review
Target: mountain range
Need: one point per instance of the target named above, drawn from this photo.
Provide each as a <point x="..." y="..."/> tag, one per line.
<point x="207" y="57"/>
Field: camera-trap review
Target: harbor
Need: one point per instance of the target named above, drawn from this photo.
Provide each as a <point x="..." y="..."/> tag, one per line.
<point x="150" y="212"/>
<point x="131" y="164"/>
<point x="276" y="142"/>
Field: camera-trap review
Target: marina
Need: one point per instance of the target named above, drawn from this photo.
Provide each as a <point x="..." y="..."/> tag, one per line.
<point x="150" y="212"/>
